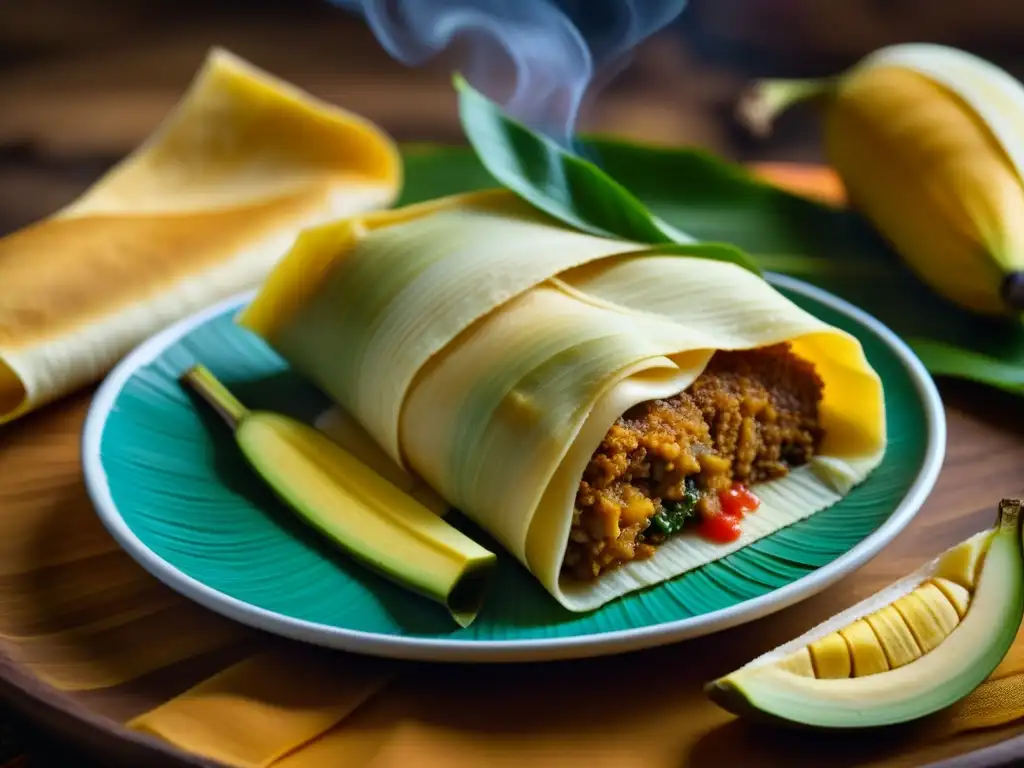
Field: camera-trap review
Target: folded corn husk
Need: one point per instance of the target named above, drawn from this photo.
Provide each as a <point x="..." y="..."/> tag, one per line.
<point x="202" y="210"/>
<point x="486" y="349"/>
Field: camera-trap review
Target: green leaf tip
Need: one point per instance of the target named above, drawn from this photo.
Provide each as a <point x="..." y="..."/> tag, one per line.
<point x="559" y="182"/>
<point x="715" y="251"/>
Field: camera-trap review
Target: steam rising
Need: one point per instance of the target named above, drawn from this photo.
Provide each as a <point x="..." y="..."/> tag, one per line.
<point x="526" y="54"/>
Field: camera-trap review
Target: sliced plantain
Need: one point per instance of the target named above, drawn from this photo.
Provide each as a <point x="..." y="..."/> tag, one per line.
<point x="958" y="596"/>
<point x="830" y="656"/>
<point x="350" y="505"/>
<point x="895" y="636"/>
<point x="927" y="632"/>
<point x="866" y="652"/>
<point x="912" y="649"/>
<point x="946" y="615"/>
<point x="962" y="563"/>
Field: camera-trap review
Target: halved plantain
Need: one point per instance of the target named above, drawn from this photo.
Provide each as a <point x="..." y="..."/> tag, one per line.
<point x="912" y="649"/>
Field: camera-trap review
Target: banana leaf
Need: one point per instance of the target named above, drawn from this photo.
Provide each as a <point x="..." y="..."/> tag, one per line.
<point x="560" y="183"/>
<point x="709" y="199"/>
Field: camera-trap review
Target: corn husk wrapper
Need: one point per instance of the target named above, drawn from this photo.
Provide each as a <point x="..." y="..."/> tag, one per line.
<point x="203" y="209"/>
<point x="487" y="349"/>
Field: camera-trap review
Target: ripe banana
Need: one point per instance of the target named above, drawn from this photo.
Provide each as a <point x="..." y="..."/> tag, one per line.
<point x="929" y="143"/>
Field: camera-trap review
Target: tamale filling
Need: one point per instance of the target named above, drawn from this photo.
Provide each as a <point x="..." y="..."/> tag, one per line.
<point x="751" y="416"/>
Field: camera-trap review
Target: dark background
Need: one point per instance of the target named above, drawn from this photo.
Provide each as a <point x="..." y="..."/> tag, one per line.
<point x="82" y="82"/>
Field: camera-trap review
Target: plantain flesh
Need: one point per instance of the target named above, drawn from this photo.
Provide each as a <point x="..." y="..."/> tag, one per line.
<point x="911" y="649"/>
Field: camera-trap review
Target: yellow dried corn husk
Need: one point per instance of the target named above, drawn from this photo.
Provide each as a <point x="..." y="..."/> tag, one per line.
<point x="929" y="142"/>
<point x="203" y="209"/>
<point x="487" y="350"/>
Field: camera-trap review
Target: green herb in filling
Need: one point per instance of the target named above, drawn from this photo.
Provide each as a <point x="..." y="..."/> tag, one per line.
<point x="674" y="515"/>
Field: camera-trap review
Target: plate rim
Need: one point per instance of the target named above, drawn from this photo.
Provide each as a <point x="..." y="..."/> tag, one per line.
<point x="528" y="650"/>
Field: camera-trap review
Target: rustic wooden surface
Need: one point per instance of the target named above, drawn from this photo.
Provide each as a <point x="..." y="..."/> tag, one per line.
<point x="83" y="82"/>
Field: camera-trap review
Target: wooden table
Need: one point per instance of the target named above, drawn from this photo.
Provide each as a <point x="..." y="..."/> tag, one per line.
<point x="71" y="108"/>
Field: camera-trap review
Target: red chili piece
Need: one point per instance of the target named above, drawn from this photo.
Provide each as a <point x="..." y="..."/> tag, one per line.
<point x="734" y="503"/>
<point x="720" y="528"/>
<point x="738" y="500"/>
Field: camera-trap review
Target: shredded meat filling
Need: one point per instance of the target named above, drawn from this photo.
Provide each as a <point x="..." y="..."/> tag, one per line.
<point x="749" y="417"/>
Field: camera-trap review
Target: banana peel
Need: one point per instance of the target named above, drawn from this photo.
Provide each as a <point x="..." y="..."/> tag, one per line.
<point x="928" y="141"/>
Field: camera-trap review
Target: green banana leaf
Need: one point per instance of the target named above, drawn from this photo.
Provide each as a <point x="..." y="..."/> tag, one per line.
<point x="718" y="202"/>
<point x="562" y="184"/>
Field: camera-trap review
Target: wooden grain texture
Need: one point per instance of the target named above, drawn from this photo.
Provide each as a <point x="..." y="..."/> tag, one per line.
<point x="83" y="81"/>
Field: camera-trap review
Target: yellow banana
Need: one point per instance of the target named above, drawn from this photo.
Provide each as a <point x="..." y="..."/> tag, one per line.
<point x="929" y="143"/>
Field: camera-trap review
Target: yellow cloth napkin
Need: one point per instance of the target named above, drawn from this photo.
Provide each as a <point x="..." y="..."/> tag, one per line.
<point x="257" y="711"/>
<point x="202" y="210"/>
<point x="999" y="700"/>
<point x="259" y="714"/>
